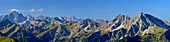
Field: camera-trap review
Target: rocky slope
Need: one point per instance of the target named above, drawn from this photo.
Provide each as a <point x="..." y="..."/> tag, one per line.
<point x="144" y="28"/>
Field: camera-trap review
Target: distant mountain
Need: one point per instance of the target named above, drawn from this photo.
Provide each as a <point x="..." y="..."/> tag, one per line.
<point x="14" y="17"/>
<point x="17" y="18"/>
<point x="102" y="21"/>
<point x="69" y="18"/>
<point x="30" y="18"/>
<point x="122" y="28"/>
<point x="40" y="17"/>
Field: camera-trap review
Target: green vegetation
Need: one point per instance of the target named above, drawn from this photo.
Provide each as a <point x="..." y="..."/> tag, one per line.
<point x="42" y="33"/>
<point x="17" y="28"/>
<point x="156" y="36"/>
<point x="6" y="39"/>
<point x="158" y="31"/>
<point x="7" y="29"/>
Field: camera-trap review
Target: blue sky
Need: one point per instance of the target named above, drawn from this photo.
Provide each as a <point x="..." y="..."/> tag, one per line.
<point x="96" y="9"/>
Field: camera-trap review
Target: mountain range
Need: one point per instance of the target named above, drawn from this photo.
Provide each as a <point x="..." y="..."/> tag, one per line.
<point x="122" y="28"/>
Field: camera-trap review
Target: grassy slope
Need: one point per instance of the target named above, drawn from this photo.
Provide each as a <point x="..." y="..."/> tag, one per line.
<point x="156" y="36"/>
<point x="42" y="33"/>
<point x="7" y="29"/>
<point x="6" y="39"/>
<point x="17" y="28"/>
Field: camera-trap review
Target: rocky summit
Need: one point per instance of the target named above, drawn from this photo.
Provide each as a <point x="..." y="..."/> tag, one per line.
<point x="122" y="28"/>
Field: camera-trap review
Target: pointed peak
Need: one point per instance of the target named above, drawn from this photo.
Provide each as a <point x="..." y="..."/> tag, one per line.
<point x="88" y="20"/>
<point x="14" y="11"/>
<point x="141" y="14"/>
<point x="118" y="16"/>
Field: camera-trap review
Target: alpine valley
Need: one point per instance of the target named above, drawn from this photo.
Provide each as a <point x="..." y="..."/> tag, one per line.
<point x="15" y="27"/>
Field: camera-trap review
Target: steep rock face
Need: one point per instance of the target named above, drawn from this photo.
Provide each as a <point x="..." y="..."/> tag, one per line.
<point x="120" y="21"/>
<point x="14" y="17"/>
<point x="144" y="23"/>
<point x="140" y="25"/>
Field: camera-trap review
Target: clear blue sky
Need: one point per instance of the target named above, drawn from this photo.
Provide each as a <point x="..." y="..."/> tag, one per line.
<point x="96" y="9"/>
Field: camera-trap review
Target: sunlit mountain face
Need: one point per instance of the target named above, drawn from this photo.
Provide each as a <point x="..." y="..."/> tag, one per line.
<point x="15" y="27"/>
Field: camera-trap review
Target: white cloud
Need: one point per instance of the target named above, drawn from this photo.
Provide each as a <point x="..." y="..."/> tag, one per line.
<point x="13" y="10"/>
<point x="32" y="10"/>
<point x="40" y="9"/>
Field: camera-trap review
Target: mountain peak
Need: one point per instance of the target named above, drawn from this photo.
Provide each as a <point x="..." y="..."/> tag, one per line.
<point x="141" y="15"/>
<point x="121" y="17"/>
<point x="29" y="16"/>
<point x="15" y="12"/>
<point x="15" y="17"/>
<point x="87" y="20"/>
